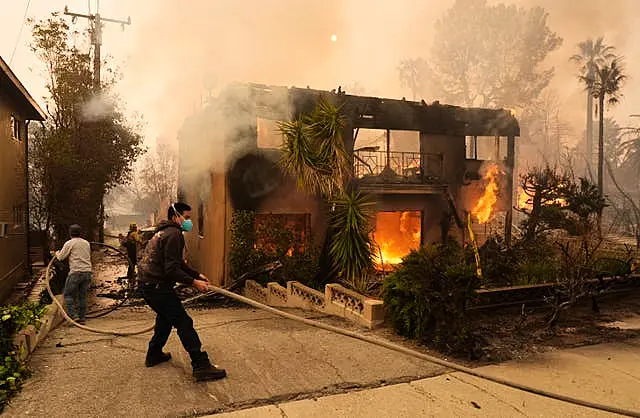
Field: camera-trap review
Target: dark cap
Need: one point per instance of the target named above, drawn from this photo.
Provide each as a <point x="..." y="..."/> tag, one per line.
<point x="75" y="230"/>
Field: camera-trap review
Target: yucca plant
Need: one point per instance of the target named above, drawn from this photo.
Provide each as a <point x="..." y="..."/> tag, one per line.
<point x="313" y="151"/>
<point x="351" y="245"/>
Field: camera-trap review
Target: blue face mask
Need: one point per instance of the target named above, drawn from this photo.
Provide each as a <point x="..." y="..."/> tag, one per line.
<point x="186" y="225"/>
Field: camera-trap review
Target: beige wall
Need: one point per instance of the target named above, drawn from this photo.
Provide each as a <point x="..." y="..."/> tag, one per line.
<point x="13" y="248"/>
<point x="455" y="166"/>
<point x="207" y="247"/>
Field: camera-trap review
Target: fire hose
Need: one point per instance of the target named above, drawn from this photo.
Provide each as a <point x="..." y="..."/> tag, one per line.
<point x="358" y="336"/>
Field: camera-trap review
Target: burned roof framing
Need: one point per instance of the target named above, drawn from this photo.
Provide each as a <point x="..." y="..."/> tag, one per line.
<point x="379" y="113"/>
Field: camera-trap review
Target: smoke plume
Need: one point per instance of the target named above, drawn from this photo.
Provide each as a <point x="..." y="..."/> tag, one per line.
<point x="179" y="54"/>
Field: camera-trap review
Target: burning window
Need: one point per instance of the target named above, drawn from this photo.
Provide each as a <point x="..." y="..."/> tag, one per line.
<point x="486" y="148"/>
<point x="280" y="234"/>
<point x="396" y="234"/>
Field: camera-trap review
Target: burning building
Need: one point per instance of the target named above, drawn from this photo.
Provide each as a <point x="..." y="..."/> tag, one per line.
<point x="426" y="166"/>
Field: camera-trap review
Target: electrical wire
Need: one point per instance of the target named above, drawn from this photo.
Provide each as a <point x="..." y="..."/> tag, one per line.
<point x="365" y="338"/>
<point x="24" y="21"/>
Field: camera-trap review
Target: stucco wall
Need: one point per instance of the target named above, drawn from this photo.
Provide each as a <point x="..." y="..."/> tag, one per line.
<point x="206" y="247"/>
<point x="13" y="248"/>
<point x="288" y="199"/>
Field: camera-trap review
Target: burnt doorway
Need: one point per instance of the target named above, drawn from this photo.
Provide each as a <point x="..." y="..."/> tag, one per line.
<point x="396" y="234"/>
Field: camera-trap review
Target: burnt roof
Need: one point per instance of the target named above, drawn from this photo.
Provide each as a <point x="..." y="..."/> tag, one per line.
<point x="10" y="85"/>
<point x="382" y="113"/>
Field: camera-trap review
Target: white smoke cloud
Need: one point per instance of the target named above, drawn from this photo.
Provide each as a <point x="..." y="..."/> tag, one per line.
<point x="97" y="108"/>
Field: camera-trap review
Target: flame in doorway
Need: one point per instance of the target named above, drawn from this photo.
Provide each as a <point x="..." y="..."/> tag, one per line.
<point x="397" y="233"/>
<point x="484" y="206"/>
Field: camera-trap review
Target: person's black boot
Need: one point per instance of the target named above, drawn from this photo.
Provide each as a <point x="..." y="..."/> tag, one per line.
<point x="209" y="372"/>
<point x="154" y="359"/>
<point x="203" y="370"/>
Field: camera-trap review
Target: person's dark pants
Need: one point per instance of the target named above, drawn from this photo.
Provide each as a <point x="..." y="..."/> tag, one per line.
<point x="77" y="286"/>
<point x="131" y="253"/>
<point x="171" y="314"/>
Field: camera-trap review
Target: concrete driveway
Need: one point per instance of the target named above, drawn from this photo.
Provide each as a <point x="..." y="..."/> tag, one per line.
<point x="268" y="360"/>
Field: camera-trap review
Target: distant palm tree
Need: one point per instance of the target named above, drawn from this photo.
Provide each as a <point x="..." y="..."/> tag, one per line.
<point x="605" y="84"/>
<point x="592" y="55"/>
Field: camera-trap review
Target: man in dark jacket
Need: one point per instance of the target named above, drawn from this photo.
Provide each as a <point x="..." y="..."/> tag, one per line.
<point x="131" y="243"/>
<point x="160" y="268"/>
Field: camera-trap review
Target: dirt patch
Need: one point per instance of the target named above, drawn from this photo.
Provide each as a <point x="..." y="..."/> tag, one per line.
<point x="511" y="335"/>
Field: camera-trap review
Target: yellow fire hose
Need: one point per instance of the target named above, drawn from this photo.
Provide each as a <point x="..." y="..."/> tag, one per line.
<point x="474" y="243"/>
<point x="352" y="334"/>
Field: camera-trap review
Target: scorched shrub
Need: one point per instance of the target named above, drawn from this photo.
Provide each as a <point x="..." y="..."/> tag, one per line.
<point x="426" y="297"/>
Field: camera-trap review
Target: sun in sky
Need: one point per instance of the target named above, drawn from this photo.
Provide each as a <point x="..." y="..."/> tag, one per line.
<point x="334" y="37"/>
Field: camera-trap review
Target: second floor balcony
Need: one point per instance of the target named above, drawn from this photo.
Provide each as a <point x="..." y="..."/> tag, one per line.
<point x="372" y="166"/>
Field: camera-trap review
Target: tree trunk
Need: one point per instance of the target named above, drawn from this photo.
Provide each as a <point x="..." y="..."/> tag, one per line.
<point x="600" y="156"/>
<point x="589" y="144"/>
<point x="101" y="222"/>
<point x="601" y="146"/>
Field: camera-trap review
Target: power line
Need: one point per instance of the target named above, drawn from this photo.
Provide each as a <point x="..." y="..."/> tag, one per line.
<point x="24" y="20"/>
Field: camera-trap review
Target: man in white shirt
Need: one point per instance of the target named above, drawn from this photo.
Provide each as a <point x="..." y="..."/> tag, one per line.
<point x="78" y="251"/>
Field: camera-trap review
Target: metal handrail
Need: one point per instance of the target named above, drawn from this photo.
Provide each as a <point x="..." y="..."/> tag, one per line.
<point x="400" y="164"/>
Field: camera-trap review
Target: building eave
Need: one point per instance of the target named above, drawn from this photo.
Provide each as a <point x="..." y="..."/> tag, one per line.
<point x="32" y="109"/>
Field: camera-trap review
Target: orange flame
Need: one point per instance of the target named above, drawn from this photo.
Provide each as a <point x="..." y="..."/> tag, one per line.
<point x="484" y="207"/>
<point x="524" y="201"/>
<point x="397" y="233"/>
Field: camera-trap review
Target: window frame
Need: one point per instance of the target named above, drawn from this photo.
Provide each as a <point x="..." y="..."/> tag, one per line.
<point x="14" y="123"/>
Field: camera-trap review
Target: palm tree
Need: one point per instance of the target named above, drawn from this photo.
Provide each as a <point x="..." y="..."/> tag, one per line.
<point x="605" y="85"/>
<point x="592" y="55"/>
<point x="313" y="152"/>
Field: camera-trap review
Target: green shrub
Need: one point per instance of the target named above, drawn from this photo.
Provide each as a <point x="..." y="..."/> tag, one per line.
<point x="531" y="272"/>
<point x="499" y="263"/>
<point x="299" y="260"/>
<point x="302" y="267"/>
<point x="611" y="267"/>
<point x="13" y="319"/>
<point x="242" y="257"/>
<point x="426" y="297"/>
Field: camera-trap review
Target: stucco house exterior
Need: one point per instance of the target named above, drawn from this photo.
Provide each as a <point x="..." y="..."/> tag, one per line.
<point x="17" y="109"/>
<point x="422" y="163"/>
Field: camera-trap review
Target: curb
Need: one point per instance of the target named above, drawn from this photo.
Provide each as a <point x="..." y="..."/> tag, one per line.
<point x="28" y="339"/>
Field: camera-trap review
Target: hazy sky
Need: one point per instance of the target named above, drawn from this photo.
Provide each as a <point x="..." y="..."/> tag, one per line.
<point x="174" y="48"/>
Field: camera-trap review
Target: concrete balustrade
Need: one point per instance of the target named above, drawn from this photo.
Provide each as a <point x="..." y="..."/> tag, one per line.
<point x="336" y="300"/>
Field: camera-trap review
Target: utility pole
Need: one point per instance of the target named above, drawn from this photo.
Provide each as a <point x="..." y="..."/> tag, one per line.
<point x="96" y="40"/>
